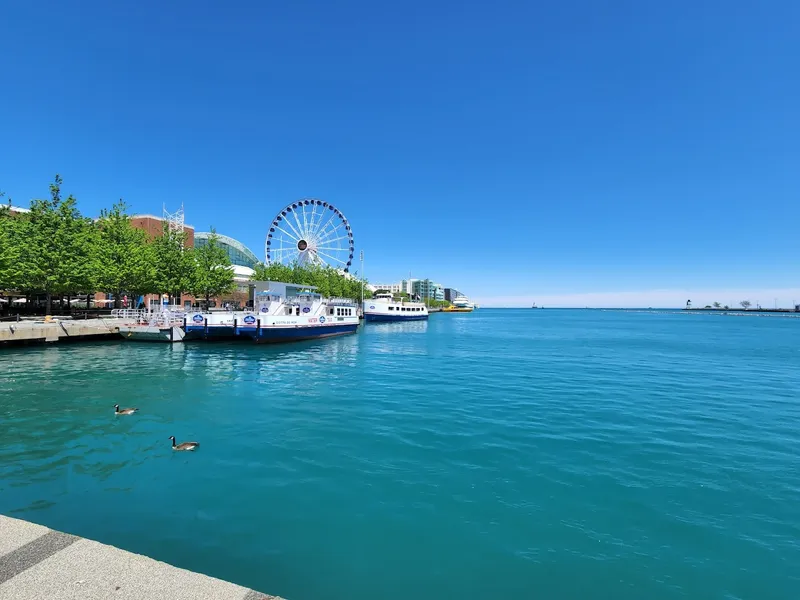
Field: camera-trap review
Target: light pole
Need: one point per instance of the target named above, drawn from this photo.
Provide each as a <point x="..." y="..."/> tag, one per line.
<point x="361" y="256"/>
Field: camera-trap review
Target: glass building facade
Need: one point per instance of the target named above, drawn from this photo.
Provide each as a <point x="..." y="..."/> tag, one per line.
<point x="238" y="253"/>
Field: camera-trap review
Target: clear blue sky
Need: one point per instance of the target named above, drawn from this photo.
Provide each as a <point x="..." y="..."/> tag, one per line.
<point x="516" y="150"/>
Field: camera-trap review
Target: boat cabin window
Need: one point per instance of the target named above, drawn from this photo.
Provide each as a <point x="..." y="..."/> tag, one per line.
<point x="288" y="310"/>
<point x="330" y="310"/>
<point x="391" y="308"/>
<point x="297" y="311"/>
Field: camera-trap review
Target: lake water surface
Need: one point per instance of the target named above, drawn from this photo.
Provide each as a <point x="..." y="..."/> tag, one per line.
<point x="499" y="454"/>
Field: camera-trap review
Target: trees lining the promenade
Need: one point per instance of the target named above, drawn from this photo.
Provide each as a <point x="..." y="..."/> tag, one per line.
<point x="127" y="259"/>
<point x="50" y="248"/>
<point x="212" y="275"/>
<point x="53" y="250"/>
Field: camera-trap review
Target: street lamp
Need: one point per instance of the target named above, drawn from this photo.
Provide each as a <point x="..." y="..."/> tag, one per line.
<point x="361" y="256"/>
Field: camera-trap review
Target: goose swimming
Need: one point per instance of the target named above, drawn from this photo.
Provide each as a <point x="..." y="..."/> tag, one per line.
<point x="183" y="445"/>
<point x="124" y="411"/>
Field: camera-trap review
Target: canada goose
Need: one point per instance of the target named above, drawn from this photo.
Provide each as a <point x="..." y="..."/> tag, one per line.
<point x="124" y="411"/>
<point x="183" y="445"/>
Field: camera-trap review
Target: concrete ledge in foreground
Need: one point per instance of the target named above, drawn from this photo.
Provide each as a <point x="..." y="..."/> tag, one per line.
<point x="37" y="562"/>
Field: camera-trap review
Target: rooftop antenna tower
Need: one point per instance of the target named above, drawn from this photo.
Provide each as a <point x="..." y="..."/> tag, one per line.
<point x="174" y="221"/>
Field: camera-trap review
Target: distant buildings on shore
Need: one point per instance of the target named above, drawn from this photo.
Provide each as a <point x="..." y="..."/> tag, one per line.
<point x="422" y="288"/>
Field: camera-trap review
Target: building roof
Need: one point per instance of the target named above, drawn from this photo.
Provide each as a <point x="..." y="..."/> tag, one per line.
<point x="147" y="216"/>
<point x="228" y="241"/>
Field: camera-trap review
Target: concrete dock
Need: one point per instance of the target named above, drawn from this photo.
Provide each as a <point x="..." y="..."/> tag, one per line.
<point x="22" y="332"/>
<point x="37" y="562"/>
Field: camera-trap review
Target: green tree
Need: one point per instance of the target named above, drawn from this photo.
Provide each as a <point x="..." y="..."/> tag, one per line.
<point x="125" y="258"/>
<point x="330" y="281"/>
<point x="9" y="249"/>
<point x="716" y="305"/>
<point x="212" y="275"/>
<point x="173" y="263"/>
<point x="58" y="252"/>
<point x="745" y="304"/>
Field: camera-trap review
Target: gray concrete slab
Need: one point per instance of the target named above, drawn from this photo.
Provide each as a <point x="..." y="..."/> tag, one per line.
<point x="15" y="534"/>
<point x="59" y="566"/>
<point x="32" y="553"/>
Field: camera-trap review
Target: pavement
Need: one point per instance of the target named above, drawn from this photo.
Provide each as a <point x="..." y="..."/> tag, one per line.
<point x="37" y="562"/>
<point x="43" y="331"/>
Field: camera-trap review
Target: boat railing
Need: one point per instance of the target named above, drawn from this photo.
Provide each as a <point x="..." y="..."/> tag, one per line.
<point x="129" y="313"/>
<point x="341" y="302"/>
<point x="165" y="318"/>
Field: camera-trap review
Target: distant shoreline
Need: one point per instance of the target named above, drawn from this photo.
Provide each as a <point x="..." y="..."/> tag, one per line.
<point x="790" y="311"/>
<point x="742" y="310"/>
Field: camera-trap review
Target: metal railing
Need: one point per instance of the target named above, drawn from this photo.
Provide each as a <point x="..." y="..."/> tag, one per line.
<point x="128" y="313"/>
<point x="341" y="302"/>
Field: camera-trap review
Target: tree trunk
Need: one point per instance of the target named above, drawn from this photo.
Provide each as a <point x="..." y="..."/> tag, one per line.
<point x="48" y="303"/>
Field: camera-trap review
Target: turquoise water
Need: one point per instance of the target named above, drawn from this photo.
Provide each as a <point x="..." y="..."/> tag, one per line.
<point x="498" y="454"/>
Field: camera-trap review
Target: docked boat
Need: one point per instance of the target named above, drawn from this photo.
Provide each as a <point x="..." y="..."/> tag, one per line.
<point x="460" y="304"/>
<point x="281" y="313"/>
<point x="384" y="308"/>
<point x="164" y="324"/>
<point x="150" y="333"/>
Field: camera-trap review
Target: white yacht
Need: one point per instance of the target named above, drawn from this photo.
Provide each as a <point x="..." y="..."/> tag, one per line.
<point x="385" y="308"/>
<point x="460" y="304"/>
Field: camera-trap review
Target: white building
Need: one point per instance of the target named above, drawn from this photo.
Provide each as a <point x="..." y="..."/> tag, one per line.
<point x="393" y="288"/>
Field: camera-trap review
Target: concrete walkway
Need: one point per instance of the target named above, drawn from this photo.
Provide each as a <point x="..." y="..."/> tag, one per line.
<point x="13" y="332"/>
<point x="37" y="562"/>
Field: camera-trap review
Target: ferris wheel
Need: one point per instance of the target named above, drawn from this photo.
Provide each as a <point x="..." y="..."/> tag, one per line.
<point x="310" y="232"/>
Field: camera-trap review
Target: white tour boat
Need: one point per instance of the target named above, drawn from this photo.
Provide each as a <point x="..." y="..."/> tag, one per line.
<point x="384" y="308"/>
<point x="281" y="313"/>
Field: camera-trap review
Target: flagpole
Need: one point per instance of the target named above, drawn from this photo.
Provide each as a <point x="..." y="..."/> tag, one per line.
<point x="362" y="279"/>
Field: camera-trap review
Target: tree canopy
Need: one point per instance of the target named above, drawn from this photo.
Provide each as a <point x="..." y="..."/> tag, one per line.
<point x="212" y="274"/>
<point x="54" y="247"/>
<point x="53" y="250"/>
<point x="173" y="261"/>
<point x="330" y="282"/>
<point x="127" y="261"/>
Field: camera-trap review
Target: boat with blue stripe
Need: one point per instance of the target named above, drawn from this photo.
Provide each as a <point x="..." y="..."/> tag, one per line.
<point x="384" y="308"/>
<point x="282" y="312"/>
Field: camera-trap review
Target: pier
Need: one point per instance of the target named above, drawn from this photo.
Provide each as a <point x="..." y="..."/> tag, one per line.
<point x="56" y="330"/>
<point x="37" y="562"/>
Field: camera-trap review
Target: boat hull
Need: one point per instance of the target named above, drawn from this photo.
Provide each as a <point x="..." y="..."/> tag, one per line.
<point x="145" y="333"/>
<point x="384" y="318"/>
<point x="276" y="335"/>
<point x="269" y="333"/>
